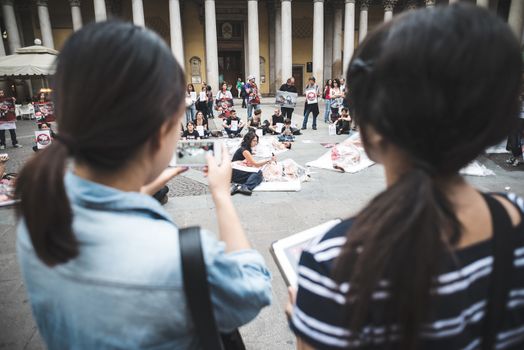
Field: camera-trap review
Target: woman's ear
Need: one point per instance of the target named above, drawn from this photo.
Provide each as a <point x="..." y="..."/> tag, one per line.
<point x="374" y="143"/>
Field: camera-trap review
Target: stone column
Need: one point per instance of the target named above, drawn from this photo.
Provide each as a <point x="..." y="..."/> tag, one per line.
<point x="279" y="79"/>
<point x="253" y="39"/>
<point x="287" y="44"/>
<point x="483" y="3"/>
<point x="2" y="48"/>
<point x="45" y="24"/>
<point x="337" y="41"/>
<point x="328" y="43"/>
<point x="175" y="29"/>
<point x="211" y="45"/>
<point x="430" y="3"/>
<point x="452" y="1"/>
<point x="76" y="14"/>
<point x="363" y="27"/>
<point x="516" y="14"/>
<point x="272" y="69"/>
<point x="100" y="10"/>
<point x="318" y="40"/>
<point x="138" y="13"/>
<point x="388" y="9"/>
<point x="349" y="34"/>
<point x="13" y="37"/>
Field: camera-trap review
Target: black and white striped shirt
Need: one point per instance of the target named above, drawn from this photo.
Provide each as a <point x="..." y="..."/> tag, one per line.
<point x="458" y="302"/>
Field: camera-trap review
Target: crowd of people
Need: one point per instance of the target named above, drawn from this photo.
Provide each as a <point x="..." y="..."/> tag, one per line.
<point x="429" y="263"/>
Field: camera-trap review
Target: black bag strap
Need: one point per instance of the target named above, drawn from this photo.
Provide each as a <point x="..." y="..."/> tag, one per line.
<point x="501" y="275"/>
<point x="196" y="287"/>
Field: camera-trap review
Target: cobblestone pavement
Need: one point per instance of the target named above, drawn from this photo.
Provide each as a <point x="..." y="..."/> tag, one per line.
<point x="266" y="217"/>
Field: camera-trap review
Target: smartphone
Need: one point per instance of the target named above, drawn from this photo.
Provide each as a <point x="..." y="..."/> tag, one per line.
<point x="192" y="153"/>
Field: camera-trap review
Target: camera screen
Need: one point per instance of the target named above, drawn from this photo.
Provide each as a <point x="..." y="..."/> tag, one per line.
<point x="193" y="152"/>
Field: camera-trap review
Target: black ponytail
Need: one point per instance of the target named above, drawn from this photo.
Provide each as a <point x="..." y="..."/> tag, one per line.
<point x="45" y="206"/>
<point x="116" y="85"/>
<point x="426" y="83"/>
<point x="398" y="236"/>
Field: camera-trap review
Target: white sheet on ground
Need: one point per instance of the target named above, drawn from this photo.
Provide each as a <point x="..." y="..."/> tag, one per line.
<point x="348" y="156"/>
<point x="500" y="148"/>
<point x="476" y="169"/>
<point x="288" y="186"/>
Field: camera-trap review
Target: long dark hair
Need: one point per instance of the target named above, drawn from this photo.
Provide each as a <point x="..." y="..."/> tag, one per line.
<point x="246" y="141"/>
<point x="335" y="81"/>
<point x="441" y="84"/>
<point x="115" y="85"/>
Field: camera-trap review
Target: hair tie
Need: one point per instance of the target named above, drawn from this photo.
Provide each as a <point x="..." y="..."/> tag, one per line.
<point x="360" y="65"/>
<point x="66" y="141"/>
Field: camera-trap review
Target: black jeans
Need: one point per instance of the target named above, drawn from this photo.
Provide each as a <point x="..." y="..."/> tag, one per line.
<point x="13" y="137"/>
<point x="287" y="112"/>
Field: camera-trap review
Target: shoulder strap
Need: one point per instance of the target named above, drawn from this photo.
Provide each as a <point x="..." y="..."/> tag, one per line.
<point x="500" y="283"/>
<point x="196" y="288"/>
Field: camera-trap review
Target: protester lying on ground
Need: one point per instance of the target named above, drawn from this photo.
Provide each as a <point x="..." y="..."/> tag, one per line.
<point x="100" y="260"/>
<point x="201" y="125"/>
<point x="233" y="125"/>
<point x="343" y="123"/>
<point x="245" y="181"/>
<point x="414" y="269"/>
<point x="190" y="133"/>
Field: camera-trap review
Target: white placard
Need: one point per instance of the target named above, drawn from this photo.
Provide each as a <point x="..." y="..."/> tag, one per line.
<point x="200" y="129"/>
<point x="193" y="96"/>
<point x="43" y="139"/>
<point x="279" y="127"/>
<point x="234" y="125"/>
<point x="203" y="97"/>
<point x="311" y="96"/>
<point x="259" y="132"/>
<point x="332" y="129"/>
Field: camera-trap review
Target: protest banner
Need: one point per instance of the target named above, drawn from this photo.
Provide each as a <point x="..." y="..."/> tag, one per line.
<point x="286" y="99"/>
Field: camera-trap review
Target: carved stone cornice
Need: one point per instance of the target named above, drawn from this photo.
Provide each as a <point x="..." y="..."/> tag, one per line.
<point x="74" y="3"/>
<point x="364" y="5"/>
<point x="389" y="4"/>
<point x="7" y="2"/>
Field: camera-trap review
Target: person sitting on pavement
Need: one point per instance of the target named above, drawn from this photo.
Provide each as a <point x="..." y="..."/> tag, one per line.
<point x="277" y="122"/>
<point x="44" y="126"/>
<point x="190" y="133"/>
<point x="431" y="262"/>
<point x="244" y="181"/>
<point x="255" y="122"/>
<point x="200" y="120"/>
<point x="100" y="259"/>
<point x="233" y="125"/>
<point x="343" y="123"/>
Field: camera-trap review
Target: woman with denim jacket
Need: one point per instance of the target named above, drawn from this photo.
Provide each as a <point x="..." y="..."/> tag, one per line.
<point x="101" y="260"/>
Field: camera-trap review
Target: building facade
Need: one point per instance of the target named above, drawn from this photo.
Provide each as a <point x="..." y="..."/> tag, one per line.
<point x="223" y="40"/>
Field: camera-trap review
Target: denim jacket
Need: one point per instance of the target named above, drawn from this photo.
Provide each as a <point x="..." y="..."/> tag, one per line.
<point x="124" y="290"/>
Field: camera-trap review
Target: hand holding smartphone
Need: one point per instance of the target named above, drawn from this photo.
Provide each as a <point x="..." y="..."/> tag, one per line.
<point x="192" y="153"/>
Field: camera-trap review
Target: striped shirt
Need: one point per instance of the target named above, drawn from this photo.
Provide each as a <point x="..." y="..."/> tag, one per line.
<point x="458" y="299"/>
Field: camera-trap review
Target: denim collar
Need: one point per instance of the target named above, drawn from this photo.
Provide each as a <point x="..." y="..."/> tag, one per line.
<point x="92" y="195"/>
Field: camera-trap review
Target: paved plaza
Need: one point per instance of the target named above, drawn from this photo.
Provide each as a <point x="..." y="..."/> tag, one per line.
<point x="266" y="217"/>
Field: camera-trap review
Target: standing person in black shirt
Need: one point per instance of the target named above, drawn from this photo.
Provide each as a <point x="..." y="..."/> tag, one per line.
<point x="289" y="86"/>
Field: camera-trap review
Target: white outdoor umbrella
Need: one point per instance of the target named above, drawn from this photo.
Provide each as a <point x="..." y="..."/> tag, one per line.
<point x="29" y="61"/>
